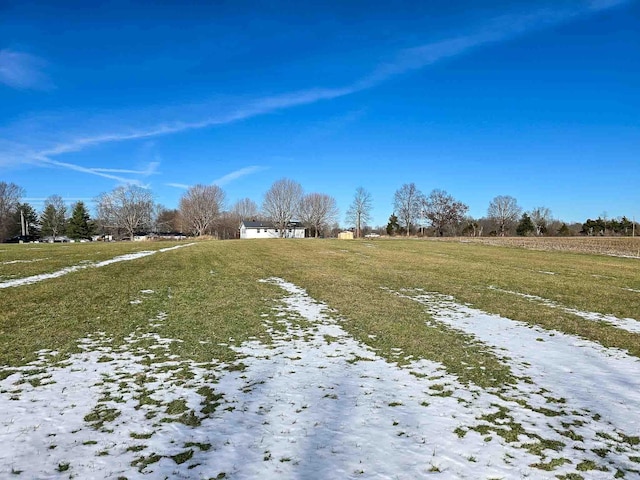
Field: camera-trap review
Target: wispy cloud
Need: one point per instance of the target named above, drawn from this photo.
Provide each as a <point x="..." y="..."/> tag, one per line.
<point x="242" y="172"/>
<point x="101" y="172"/>
<point x="184" y="186"/>
<point x="252" y="109"/>
<point x="225" y="179"/>
<point x="23" y="71"/>
<point x="39" y="201"/>
<point x="605" y="4"/>
<point x="151" y="169"/>
<point x="499" y="29"/>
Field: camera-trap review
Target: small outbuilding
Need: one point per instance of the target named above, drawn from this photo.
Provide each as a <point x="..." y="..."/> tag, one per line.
<point x="346" y="235"/>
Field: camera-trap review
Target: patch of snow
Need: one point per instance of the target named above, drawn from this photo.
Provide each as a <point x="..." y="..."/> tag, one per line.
<point x="176" y="247"/>
<point x="622" y="256"/>
<point x="547" y="273"/>
<point x="629" y="324"/>
<point x="11" y="262"/>
<point x="591" y="377"/>
<point x="39" y="278"/>
<point x="121" y="258"/>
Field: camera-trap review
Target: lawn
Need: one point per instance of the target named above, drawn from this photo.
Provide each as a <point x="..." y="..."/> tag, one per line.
<point x="321" y="358"/>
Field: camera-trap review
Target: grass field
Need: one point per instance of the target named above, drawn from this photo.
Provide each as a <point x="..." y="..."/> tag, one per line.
<point x="320" y="358"/>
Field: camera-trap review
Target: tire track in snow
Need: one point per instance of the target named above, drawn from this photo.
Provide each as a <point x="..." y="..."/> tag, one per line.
<point x="436" y="395"/>
<point x="629" y="324"/>
<point x="18" y="282"/>
<point x="605" y="381"/>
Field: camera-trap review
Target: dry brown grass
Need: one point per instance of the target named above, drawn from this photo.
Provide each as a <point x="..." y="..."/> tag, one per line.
<point x="616" y="246"/>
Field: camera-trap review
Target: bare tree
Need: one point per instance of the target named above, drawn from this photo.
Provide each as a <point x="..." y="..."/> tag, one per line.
<point x="318" y="210"/>
<point x="128" y="208"/>
<point x="504" y="211"/>
<point x="54" y="216"/>
<point x="227" y="226"/>
<point x="444" y="211"/>
<point x="165" y="220"/>
<point x="407" y="202"/>
<point x="359" y="212"/>
<point x="200" y="206"/>
<point x="10" y="195"/>
<point x="541" y="218"/>
<point x="282" y="202"/>
<point x="245" y="209"/>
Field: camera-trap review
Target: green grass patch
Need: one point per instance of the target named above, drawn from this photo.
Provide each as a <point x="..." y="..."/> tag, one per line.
<point x="587" y="465"/>
<point x="176" y="407"/>
<point x="136" y="448"/>
<point x="143" y="462"/>
<point x="551" y="464"/>
<point x="101" y="415"/>
<point x="202" y="446"/>
<point x="182" y="457"/>
<point x="211" y="400"/>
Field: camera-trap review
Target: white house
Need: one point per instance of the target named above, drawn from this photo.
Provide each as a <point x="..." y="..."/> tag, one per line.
<point x="269" y="230"/>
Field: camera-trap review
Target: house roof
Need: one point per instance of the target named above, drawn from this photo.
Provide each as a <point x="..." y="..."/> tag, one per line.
<point x="253" y="224"/>
<point x="250" y="224"/>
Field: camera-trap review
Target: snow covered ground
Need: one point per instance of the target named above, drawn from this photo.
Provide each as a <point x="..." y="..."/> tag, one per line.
<point x="316" y="403"/>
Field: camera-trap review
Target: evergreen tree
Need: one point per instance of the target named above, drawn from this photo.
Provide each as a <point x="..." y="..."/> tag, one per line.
<point x="594" y="227"/>
<point x="54" y="217"/>
<point x="80" y="225"/>
<point x="526" y="226"/>
<point x="564" y="231"/>
<point x="393" y="227"/>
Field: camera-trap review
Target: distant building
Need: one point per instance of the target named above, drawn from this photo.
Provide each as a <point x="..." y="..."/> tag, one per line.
<point x="346" y="235"/>
<point x="269" y="230"/>
<point x="56" y="239"/>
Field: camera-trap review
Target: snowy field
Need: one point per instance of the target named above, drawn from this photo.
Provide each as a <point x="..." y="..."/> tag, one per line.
<point x="313" y="402"/>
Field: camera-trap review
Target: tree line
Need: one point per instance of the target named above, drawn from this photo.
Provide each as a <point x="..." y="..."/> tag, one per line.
<point x="440" y="214"/>
<point x="129" y="210"/>
<point x="21" y="220"/>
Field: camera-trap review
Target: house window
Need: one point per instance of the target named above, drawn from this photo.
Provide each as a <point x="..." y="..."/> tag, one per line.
<point x="258" y="230"/>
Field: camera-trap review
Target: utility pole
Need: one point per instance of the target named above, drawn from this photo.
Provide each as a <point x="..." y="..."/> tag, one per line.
<point x="23" y="224"/>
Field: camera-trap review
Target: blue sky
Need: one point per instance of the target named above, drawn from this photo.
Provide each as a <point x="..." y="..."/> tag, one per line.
<point x="537" y="100"/>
